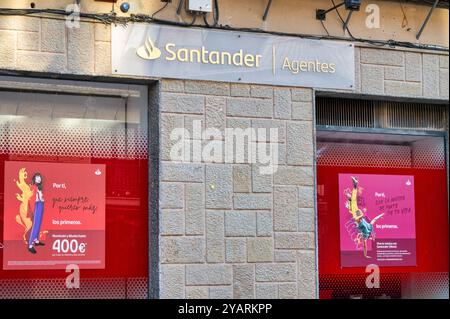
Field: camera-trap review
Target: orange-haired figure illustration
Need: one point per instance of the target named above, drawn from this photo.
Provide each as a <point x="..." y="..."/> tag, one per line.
<point x="364" y="225"/>
<point x="37" y="184"/>
<point x="24" y="216"/>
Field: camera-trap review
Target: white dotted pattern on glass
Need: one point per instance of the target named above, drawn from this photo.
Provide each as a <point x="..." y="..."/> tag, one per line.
<point x="71" y="138"/>
<point x="98" y="288"/>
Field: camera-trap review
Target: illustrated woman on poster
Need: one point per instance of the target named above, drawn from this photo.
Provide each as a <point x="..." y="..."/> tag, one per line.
<point x="37" y="186"/>
<point x="363" y="224"/>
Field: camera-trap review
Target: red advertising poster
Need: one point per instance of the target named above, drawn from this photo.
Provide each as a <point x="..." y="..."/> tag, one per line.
<point x="54" y="215"/>
<point x="377" y="220"/>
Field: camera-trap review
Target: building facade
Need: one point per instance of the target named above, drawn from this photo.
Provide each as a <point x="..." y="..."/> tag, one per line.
<point x="215" y="229"/>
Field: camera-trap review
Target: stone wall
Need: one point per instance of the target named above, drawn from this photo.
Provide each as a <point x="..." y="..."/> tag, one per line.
<point x="46" y="45"/>
<point x="226" y="230"/>
<point x="402" y="73"/>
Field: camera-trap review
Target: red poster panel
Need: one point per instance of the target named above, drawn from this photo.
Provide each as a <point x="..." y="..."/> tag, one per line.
<point x="54" y="215"/>
<point x="377" y="220"/>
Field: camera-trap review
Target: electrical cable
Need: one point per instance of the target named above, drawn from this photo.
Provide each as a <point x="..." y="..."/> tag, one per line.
<point x="342" y="20"/>
<point x="405" y="18"/>
<point x="112" y="18"/>
<point x="161" y="9"/>
<point x="179" y="7"/>
<point x="324" y="27"/>
<point x="215" y="15"/>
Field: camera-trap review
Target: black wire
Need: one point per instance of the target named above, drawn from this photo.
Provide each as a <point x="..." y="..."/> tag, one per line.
<point x="324" y="27"/>
<point x="180" y="6"/>
<point x="215" y="15"/>
<point x="161" y="9"/>
<point x="343" y="22"/>
<point x="112" y="18"/>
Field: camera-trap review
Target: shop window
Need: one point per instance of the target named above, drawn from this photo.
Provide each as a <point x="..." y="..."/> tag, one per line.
<point x="411" y="151"/>
<point x="74" y="140"/>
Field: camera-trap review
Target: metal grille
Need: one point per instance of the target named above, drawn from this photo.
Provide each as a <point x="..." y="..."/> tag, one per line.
<point x="380" y="114"/>
<point x="90" y="288"/>
<point x="414" y="285"/>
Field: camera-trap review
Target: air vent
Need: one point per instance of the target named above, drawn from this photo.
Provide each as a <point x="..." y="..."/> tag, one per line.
<point x="380" y="114"/>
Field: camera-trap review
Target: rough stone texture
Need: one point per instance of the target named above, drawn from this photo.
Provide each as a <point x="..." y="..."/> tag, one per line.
<point x="102" y="32"/>
<point x="264" y="223"/>
<point x="215" y="233"/>
<point x="20" y="23"/>
<point x="285" y="255"/>
<point x="306" y="268"/>
<point x="276" y="125"/>
<point x="218" y="292"/>
<point x="285" y="208"/>
<point x="275" y="272"/>
<point x="243" y="281"/>
<point x="403" y="88"/>
<point x="168" y="122"/>
<point x="261" y="91"/>
<point x="207" y="88"/>
<point x="413" y="61"/>
<point x="172" y="222"/>
<point x="252" y="201"/>
<point x="185" y="172"/>
<point x="197" y="292"/>
<point x="394" y="73"/>
<point x="261" y="183"/>
<point x="28" y="41"/>
<point x="242" y="182"/>
<point x="260" y="249"/>
<point x="372" y="79"/>
<point x="382" y="57"/>
<point x="298" y="150"/>
<point x="290" y="240"/>
<point x="294" y="175"/>
<point x="219" y="186"/>
<point x="172" y="281"/>
<point x="444" y="85"/>
<point x="182" y="103"/>
<point x="306" y="219"/>
<point x="287" y="291"/>
<point x="242" y="205"/>
<point x="80" y="53"/>
<point x="53" y="35"/>
<point x="195" y="209"/>
<point x="306" y="196"/>
<point x="240" y="90"/>
<point x="215" y="113"/>
<point x="402" y="73"/>
<point x="266" y="291"/>
<point x="302" y="111"/>
<point x="7" y="49"/>
<point x="282" y="103"/>
<point x="171" y="195"/>
<point x="240" y="223"/>
<point x="208" y="275"/>
<point x="241" y="107"/>
<point x="301" y="95"/>
<point x="236" y="250"/>
<point x="182" y="249"/>
<point x="102" y="58"/>
<point x="38" y="61"/>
